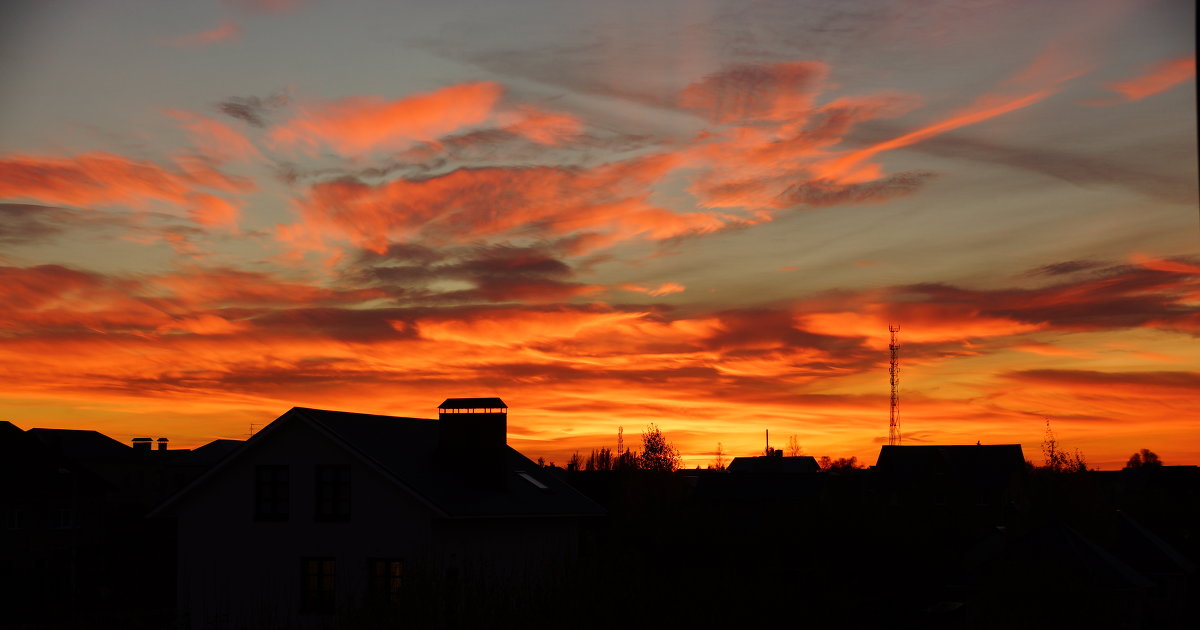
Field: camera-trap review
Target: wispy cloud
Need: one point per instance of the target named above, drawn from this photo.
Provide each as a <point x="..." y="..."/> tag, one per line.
<point x="1159" y="78"/>
<point x="227" y="30"/>
<point x="356" y="124"/>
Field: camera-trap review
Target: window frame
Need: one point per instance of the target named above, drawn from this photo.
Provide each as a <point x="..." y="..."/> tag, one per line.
<point x="272" y="493"/>
<point x="318" y="584"/>
<point x="385" y="581"/>
<point x="332" y="489"/>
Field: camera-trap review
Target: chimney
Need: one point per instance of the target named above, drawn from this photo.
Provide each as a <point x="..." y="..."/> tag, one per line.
<point x="473" y="438"/>
<point x="142" y="444"/>
<point x="162" y="444"/>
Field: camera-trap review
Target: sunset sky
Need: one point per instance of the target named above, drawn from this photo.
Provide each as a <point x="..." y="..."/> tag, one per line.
<point x="699" y="214"/>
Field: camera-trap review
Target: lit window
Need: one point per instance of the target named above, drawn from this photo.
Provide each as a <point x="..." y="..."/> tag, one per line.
<point x="317" y="590"/>
<point x="383" y="580"/>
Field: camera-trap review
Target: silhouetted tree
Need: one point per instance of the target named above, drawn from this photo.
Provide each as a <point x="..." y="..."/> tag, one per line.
<point x="576" y="462"/>
<point x="839" y="465"/>
<point x="793" y="447"/>
<point x="719" y="464"/>
<point x="627" y="460"/>
<point x="1144" y="458"/>
<point x="599" y="460"/>
<point x="1058" y="460"/>
<point x="657" y="452"/>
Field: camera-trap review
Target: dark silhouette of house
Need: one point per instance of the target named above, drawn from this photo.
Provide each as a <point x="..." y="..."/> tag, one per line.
<point x="77" y="546"/>
<point x="984" y="483"/>
<point x="327" y="513"/>
<point x="774" y="463"/>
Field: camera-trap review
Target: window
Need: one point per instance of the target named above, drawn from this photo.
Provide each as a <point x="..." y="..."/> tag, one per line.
<point x="14" y="518"/>
<point x="383" y="580"/>
<point x="316" y="591"/>
<point x="270" y="493"/>
<point x="332" y="493"/>
<point x="62" y="518"/>
<point x="528" y="477"/>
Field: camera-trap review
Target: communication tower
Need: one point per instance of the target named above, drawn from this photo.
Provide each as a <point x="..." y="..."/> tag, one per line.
<point x="894" y="372"/>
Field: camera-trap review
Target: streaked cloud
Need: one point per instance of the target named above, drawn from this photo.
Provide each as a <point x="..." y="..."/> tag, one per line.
<point x="356" y="124"/>
<point x="225" y="31"/>
<point x="1159" y="78"/>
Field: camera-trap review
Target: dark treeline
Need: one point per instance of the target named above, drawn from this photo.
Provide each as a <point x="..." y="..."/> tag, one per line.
<point x="1058" y="546"/>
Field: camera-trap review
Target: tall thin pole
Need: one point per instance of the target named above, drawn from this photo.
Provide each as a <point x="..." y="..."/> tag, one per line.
<point x="894" y="373"/>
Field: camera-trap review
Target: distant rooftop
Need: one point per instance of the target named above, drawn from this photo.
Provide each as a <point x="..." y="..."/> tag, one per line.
<point x="473" y="403"/>
<point x="81" y="444"/>
<point x="775" y="464"/>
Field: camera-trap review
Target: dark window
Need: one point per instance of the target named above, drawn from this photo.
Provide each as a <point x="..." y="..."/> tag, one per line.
<point x="316" y="591"/>
<point x="14" y="518"/>
<point x="63" y="518"/>
<point x="332" y="493"/>
<point x="270" y="493"/>
<point x="383" y="580"/>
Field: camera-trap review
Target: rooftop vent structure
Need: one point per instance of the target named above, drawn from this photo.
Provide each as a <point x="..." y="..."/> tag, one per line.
<point x="473" y="438"/>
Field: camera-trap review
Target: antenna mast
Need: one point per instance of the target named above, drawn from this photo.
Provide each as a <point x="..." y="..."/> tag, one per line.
<point x="894" y="373"/>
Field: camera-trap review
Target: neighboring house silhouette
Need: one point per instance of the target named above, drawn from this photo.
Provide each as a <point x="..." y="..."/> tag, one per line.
<point x="77" y="547"/>
<point x="982" y="481"/>
<point x="328" y="512"/>
<point x="775" y="463"/>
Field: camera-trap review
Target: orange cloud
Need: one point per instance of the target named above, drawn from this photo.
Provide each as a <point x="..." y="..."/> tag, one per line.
<point x="205" y="324"/>
<point x="665" y="288"/>
<point x="357" y="124"/>
<point x="923" y="323"/>
<point x="1050" y="350"/>
<point x="225" y="31"/>
<point x="846" y="168"/>
<point x="520" y="327"/>
<point x="215" y="139"/>
<point x="212" y="211"/>
<point x="1159" y="78"/>
<point x="1171" y="266"/>
<point x="104" y="179"/>
<point x="608" y="202"/>
<point x="222" y="288"/>
<point x="545" y="127"/>
<point x="90" y="179"/>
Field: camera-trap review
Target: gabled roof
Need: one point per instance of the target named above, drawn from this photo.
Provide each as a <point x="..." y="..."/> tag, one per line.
<point x="81" y="444"/>
<point x="473" y="403"/>
<point x="209" y="454"/>
<point x="404" y="450"/>
<point x="770" y="464"/>
<point x="989" y="465"/>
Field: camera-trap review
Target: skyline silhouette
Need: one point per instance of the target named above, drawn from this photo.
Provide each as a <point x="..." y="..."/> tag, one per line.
<point x="340" y="519"/>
